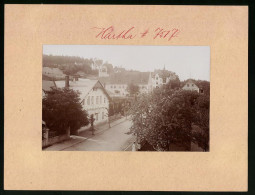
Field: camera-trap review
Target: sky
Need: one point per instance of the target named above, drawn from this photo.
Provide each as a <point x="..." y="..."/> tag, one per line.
<point x="186" y="61"/>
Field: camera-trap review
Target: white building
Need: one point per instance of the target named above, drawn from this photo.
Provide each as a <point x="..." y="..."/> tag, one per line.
<point x="160" y="77"/>
<point x="102" y="71"/>
<point x="190" y="85"/>
<point x="94" y="98"/>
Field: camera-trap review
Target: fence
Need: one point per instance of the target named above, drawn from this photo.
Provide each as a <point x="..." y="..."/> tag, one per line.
<point x="47" y="140"/>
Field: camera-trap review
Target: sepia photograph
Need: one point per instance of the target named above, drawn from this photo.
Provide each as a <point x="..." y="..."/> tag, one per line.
<point x="125" y="98"/>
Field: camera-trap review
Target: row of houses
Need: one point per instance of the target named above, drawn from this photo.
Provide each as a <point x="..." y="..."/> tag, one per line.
<point x="117" y="83"/>
<point x="95" y="97"/>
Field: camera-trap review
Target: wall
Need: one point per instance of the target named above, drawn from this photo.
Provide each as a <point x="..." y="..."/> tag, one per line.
<point x="188" y="86"/>
<point x="53" y="140"/>
<point x="122" y="88"/>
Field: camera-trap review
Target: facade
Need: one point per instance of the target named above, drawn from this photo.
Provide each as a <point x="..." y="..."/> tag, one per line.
<point x="190" y="85"/>
<point x="94" y="98"/>
<point x="53" y="72"/>
<point x="117" y="90"/>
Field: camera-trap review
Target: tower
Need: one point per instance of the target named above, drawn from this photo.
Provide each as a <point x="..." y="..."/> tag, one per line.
<point x="102" y="71"/>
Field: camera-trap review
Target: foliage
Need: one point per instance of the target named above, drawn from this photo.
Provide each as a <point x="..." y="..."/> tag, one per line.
<point x="61" y="108"/>
<point x="70" y="65"/>
<point x="167" y="116"/>
<point x="174" y="84"/>
<point x="133" y="89"/>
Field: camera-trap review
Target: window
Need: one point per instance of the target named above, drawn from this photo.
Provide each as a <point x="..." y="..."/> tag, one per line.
<point x="192" y="85"/>
<point x="96" y="116"/>
<point x="100" y="99"/>
<point x="88" y="101"/>
<point x="111" y="86"/>
<point x="114" y="86"/>
<point x="104" y="100"/>
<point x="92" y="100"/>
<point x="97" y="100"/>
<point x="102" y="115"/>
<point x="187" y="85"/>
<point x="83" y="102"/>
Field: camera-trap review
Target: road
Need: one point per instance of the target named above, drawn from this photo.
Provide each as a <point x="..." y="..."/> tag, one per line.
<point x="113" y="139"/>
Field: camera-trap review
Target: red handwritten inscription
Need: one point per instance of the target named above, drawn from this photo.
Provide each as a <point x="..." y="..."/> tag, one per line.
<point x="109" y="33"/>
<point x="131" y="32"/>
<point x="161" y="33"/>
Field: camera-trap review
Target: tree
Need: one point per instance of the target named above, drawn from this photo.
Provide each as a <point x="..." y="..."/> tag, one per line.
<point x="201" y="137"/>
<point x="109" y="67"/>
<point x="175" y="84"/>
<point x="61" y="108"/>
<point x="167" y="117"/>
<point x="133" y="89"/>
<point x="70" y="70"/>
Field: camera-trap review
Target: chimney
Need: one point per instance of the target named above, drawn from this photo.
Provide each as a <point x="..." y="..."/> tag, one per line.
<point x="67" y="81"/>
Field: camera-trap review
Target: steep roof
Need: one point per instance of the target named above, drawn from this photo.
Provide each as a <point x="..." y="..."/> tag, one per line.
<point x="126" y="77"/>
<point x="84" y="86"/>
<point x="164" y="73"/>
<point x="47" y="85"/>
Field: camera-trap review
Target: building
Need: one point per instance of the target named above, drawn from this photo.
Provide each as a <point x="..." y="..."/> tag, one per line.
<point x="117" y="83"/>
<point x="190" y="85"/>
<point x="161" y="77"/>
<point x="53" y="72"/>
<point x="46" y="86"/>
<point x="102" y="71"/>
<point x="94" y="98"/>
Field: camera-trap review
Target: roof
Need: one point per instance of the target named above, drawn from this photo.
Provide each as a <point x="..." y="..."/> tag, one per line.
<point x="84" y="86"/>
<point x="164" y="73"/>
<point x="190" y="81"/>
<point x="53" y="70"/>
<point x="126" y="77"/>
<point x="46" y="85"/>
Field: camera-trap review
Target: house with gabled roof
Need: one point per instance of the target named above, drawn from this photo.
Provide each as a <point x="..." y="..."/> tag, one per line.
<point x="191" y="86"/>
<point x="94" y="98"/>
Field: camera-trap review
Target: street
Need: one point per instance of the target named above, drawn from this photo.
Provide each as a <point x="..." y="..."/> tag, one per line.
<point x="113" y="139"/>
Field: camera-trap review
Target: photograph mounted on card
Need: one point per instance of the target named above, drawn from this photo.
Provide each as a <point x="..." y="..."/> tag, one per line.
<point x="126" y="97"/>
